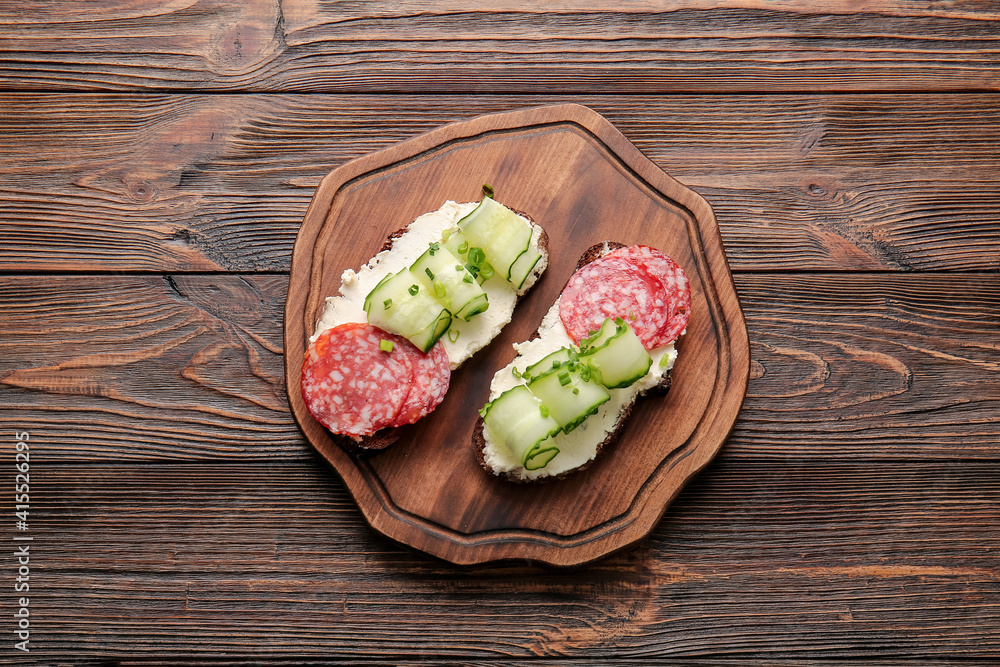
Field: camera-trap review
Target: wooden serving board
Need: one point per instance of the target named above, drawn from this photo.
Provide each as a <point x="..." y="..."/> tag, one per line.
<point x="580" y="178"/>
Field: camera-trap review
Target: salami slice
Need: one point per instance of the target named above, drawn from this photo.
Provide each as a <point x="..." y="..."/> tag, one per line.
<point x="675" y="286"/>
<point x="613" y="287"/>
<point x="350" y="385"/>
<point x="431" y="377"/>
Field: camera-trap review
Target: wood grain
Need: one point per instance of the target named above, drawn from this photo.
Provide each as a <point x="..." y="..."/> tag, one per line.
<point x="180" y="517"/>
<point x="195" y="183"/>
<point x="843" y="368"/>
<point x="582" y="180"/>
<point x="260" y="560"/>
<point x="422" y="46"/>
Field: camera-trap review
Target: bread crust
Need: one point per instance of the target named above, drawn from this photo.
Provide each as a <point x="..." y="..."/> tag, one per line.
<point x="592" y="253"/>
<point x="370" y="444"/>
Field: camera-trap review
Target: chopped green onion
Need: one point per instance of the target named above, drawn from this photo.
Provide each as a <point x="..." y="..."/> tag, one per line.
<point x="515" y="372"/>
<point x="413" y="290"/>
<point x="453" y="335"/>
<point x="434" y="247"/>
<point x="477" y="256"/>
<point x="445" y="235"/>
<point x="585" y="373"/>
<point x="459" y="268"/>
<point x="488" y="190"/>
<point x="632" y="316"/>
<point x="439" y="290"/>
<point x="463" y="247"/>
<point x="385" y="345"/>
<point x="467" y="278"/>
<point x="576" y="391"/>
<point x="564" y="378"/>
<point x="543" y="410"/>
<point x="387" y="303"/>
<point x="487" y="271"/>
<point x="429" y="274"/>
<point x="664" y="360"/>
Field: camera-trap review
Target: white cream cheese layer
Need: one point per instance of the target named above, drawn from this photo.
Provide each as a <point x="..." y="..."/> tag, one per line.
<point x="463" y="338"/>
<point x="579" y="445"/>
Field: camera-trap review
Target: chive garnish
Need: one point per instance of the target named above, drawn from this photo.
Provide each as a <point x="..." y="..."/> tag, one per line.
<point x="429" y="274"/>
<point x="453" y="335"/>
<point x="434" y="247"/>
<point x="385" y="345"/>
<point x="477" y="256"/>
<point x="439" y="290"/>
<point x="664" y="360"/>
<point x="463" y="247"/>
<point x="487" y="271"/>
<point x="543" y="410"/>
<point x="576" y="391"/>
<point x="445" y="235"/>
<point x="467" y="278"/>
<point x="564" y="378"/>
<point x="516" y="372"/>
<point x="488" y="190"/>
<point x="387" y="303"/>
<point x="413" y="290"/>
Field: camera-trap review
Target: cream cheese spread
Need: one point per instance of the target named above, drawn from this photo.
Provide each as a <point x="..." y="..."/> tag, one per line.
<point x="579" y="445"/>
<point x="463" y="338"/>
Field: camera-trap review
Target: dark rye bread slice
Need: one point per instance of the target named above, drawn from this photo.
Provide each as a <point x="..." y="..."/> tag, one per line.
<point x="662" y="387"/>
<point x="376" y="442"/>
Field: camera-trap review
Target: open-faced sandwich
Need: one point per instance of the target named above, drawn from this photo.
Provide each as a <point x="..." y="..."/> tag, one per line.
<point x="608" y="339"/>
<point x="440" y="289"/>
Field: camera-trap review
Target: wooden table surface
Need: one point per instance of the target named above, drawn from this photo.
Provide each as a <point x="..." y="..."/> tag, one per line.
<point x="156" y="160"/>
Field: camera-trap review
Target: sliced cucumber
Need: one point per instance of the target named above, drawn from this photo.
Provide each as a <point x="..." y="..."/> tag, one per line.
<point x="446" y="277"/>
<point x="522" y="267"/>
<point x="620" y="359"/>
<point x="454" y="240"/>
<point x="516" y="419"/>
<point x="568" y="396"/>
<point x="401" y="305"/>
<point x="502" y="234"/>
<point x="554" y="360"/>
<point x="473" y="257"/>
<point x="539" y="456"/>
<point x="609" y="329"/>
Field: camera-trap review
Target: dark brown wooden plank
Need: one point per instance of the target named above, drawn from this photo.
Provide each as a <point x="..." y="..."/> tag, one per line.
<point x="423" y="46"/>
<point x="901" y="364"/>
<point x="196" y="183"/>
<point x="866" y="367"/>
<point x="148" y="367"/>
<point x="762" y="560"/>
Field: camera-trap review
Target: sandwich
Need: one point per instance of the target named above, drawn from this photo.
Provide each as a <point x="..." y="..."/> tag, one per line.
<point x="439" y="290"/>
<point x="609" y="339"/>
